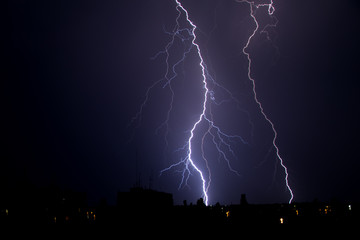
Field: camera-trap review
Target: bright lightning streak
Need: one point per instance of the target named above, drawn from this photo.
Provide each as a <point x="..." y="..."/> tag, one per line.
<point x="218" y="136"/>
<point x="271" y="10"/>
<point x="189" y="159"/>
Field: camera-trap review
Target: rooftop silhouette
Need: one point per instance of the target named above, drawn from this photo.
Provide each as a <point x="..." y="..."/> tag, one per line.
<point x="146" y="207"/>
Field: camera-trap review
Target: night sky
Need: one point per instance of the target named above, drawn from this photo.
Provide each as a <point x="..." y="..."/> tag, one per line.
<point x="74" y="74"/>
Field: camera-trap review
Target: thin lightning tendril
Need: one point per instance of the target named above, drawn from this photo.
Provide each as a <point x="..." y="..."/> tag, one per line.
<point x="271" y="10"/>
<point x="220" y="140"/>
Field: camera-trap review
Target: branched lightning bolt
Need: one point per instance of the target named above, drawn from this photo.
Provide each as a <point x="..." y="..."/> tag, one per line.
<point x="220" y="139"/>
<point x="271" y="10"/>
<point x="188" y="160"/>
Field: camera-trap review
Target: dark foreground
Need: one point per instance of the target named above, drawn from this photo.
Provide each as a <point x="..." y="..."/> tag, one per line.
<point x="148" y="208"/>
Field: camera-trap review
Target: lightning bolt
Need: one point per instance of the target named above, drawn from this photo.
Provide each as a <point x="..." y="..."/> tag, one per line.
<point x="188" y="161"/>
<point x="220" y="140"/>
<point x="271" y="10"/>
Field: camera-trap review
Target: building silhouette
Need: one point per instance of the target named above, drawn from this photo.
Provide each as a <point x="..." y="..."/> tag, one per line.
<point x="142" y="206"/>
<point x="26" y="205"/>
